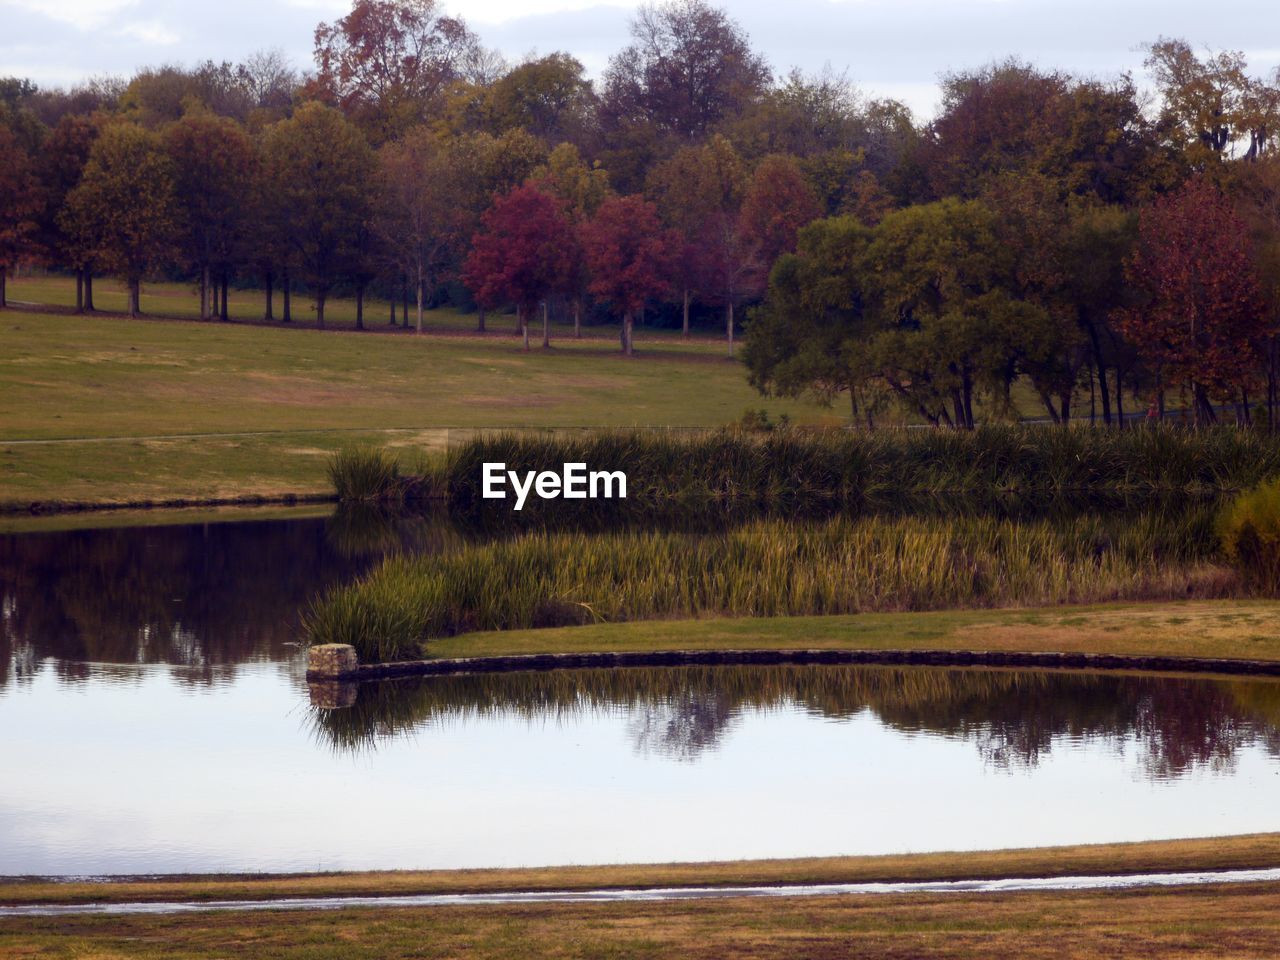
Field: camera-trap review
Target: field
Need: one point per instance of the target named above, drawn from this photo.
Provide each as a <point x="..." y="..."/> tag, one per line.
<point x="1225" y="921"/>
<point x="154" y="409"/>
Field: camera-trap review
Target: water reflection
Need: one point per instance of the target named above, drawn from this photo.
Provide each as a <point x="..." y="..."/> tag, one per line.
<point x="1013" y="718"/>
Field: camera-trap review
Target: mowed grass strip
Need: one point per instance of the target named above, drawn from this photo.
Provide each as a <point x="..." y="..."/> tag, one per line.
<point x="1249" y="851"/>
<point x="1222" y="922"/>
<point x="1231" y="629"/>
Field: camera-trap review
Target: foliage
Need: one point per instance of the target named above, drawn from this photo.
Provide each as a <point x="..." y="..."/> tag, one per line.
<point x="19" y="203"/>
<point x="1202" y="317"/>
<point x="1249" y="528"/>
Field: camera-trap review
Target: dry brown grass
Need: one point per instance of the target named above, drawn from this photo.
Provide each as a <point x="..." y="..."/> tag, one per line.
<point x="1218" y="922"/>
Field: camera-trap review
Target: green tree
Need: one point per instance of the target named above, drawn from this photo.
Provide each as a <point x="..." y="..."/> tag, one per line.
<point x="320" y="172"/>
<point x="213" y="161"/>
<point x="124" y="211"/>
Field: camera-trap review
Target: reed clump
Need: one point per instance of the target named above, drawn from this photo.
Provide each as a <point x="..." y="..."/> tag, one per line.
<point x="769" y="568"/>
<point x="365" y="473"/>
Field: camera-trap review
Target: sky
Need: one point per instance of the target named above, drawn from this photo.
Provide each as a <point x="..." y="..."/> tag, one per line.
<point x="889" y="48"/>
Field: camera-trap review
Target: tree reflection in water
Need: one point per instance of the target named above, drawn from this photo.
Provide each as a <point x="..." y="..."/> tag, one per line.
<point x="1014" y="718"/>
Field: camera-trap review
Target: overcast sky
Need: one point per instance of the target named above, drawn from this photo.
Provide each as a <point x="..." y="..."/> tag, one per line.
<point x="889" y="47"/>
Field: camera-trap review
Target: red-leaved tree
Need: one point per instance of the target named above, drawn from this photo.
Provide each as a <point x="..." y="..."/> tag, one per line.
<point x="1202" y="317"/>
<point x="19" y="203"/>
<point x="630" y="257"/>
<point x="524" y="252"/>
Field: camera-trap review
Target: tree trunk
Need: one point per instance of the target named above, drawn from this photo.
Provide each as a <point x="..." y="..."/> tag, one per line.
<point x="288" y="297"/>
<point x="204" y="293"/>
<point x="420" y="295"/>
<point x="685" y="328"/>
<point x="404" y="302"/>
<point x="135" y="296"/>
<point x="321" y="296"/>
<point x="4" y="286"/>
<point x="268" y="314"/>
<point x="729" y="326"/>
<point x="88" y="289"/>
<point x="480" y="319"/>
<point x="626" y="334"/>
<point x="523" y="322"/>
<point x="360" y="305"/>
<point x="225" y="311"/>
<point x="546" y="325"/>
<point x="577" y="318"/>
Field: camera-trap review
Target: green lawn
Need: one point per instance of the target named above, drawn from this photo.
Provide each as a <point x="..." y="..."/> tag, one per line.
<point x="257" y="410"/>
<point x="1233" y="629"/>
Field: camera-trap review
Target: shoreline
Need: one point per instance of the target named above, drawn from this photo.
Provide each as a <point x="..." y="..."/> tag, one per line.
<point x="1212" y="854"/>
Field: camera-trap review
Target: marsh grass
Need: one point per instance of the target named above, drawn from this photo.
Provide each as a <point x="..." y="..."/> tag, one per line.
<point x="1249" y="527"/>
<point x="771" y="568"/>
<point x="794" y="469"/>
<point x="365" y="473"/>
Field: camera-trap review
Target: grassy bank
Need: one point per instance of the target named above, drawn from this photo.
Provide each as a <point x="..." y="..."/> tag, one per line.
<point x="1232" y="629"/>
<point x="770" y="568"/>
<point x="1218" y="922"/>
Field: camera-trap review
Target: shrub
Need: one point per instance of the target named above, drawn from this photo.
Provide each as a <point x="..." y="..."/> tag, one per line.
<point x="1249" y="530"/>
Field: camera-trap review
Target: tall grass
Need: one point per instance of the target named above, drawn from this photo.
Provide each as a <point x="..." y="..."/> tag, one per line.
<point x="1249" y="527"/>
<point x="365" y="473"/>
<point x="768" y="568"/>
<point x="796" y="469"/>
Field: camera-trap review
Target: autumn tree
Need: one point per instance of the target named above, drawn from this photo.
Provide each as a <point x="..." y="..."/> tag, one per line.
<point x="523" y="253"/>
<point x="549" y="97"/>
<point x="19" y="205"/>
<point x="124" y="212"/>
<point x="387" y="63"/>
<point x="699" y="193"/>
<point x="688" y="68"/>
<point x="319" y="170"/>
<point x="630" y="257"/>
<point x="581" y="189"/>
<point x="777" y="203"/>
<point x="1201" y="318"/>
<point x="418" y="216"/>
<point x="213" y="160"/>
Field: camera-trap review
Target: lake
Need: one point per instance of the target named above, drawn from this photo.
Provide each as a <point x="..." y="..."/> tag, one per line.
<point x="157" y="720"/>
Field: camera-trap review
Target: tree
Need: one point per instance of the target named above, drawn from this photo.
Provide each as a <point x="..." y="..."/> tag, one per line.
<point x="124" y="212"/>
<point x="1202" y="317"/>
<point x="19" y="205"/>
<point x="319" y="171"/>
<point x="387" y="63"/>
<point x="778" y="202"/>
<point x="809" y="334"/>
<point x="1212" y="107"/>
<point x="523" y="253"/>
<point x="581" y="189"/>
<point x="213" y="161"/>
<point x="549" y="97"/>
<point x="942" y="289"/>
<point x="61" y="165"/>
<point x="699" y="192"/>
<point x="418" y="215"/>
<point x="630" y="257"/>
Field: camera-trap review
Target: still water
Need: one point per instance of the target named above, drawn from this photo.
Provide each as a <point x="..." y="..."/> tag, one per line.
<point x="156" y="719"/>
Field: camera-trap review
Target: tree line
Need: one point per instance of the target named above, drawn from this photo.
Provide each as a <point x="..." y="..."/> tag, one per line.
<point x="1043" y="228"/>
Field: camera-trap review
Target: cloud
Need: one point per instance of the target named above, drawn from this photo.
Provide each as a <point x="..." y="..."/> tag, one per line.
<point x="86" y="14"/>
<point x="151" y="32"/>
